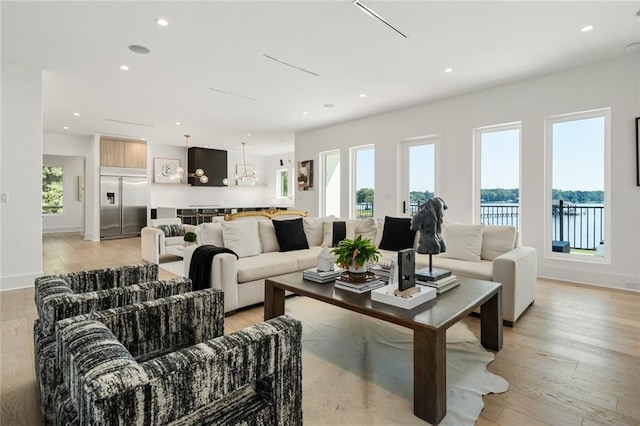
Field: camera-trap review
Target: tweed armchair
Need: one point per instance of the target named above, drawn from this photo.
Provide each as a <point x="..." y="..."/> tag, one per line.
<point x="167" y="361"/>
<point x="62" y="296"/>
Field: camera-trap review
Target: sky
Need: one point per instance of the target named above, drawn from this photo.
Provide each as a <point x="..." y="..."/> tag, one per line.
<point x="578" y="151"/>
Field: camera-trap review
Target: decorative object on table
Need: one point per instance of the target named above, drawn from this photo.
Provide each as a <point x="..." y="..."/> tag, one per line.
<point x="326" y="261"/>
<point x="321" y="277"/>
<point x="406" y="271"/>
<point x="246" y="174"/>
<point x="305" y="175"/>
<point x="354" y="255"/>
<point x="165" y="170"/>
<point x="388" y="295"/>
<point x="443" y="284"/>
<point x="429" y="221"/>
<point x="190" y="238"/>
<point x="359" y="285"/>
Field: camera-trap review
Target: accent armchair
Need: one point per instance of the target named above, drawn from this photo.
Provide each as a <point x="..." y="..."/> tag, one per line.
<point x="161" y="235"/>
<point x="166" y="361"/>
<point x="62" y="296"/>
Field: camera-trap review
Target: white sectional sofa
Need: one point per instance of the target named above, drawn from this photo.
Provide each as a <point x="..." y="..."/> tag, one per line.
<point x="477" y="251"/>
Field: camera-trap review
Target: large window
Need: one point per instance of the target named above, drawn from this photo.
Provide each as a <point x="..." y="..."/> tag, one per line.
<point x="330" y="185"/>
<point x="282" y="183"/>
<point x="363" y="178"/>
<point x="577" y="153"/>
<point x="418" y="173"/>
<point x="498" y="174"/>
<point x="52" y="192"/>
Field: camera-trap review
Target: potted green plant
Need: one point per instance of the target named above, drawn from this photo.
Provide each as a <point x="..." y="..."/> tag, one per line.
<point x="354" y="254"/>
<point x="190" y="238"/>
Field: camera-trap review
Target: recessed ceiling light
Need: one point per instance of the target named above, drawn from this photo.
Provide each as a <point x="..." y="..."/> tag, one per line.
<point x="363" y="95"/>
<point x="206" y="146"/>
<point x="77" y="114"/>
<point x="124" y="68"/>
<point x="136" y="48"/>
<point x="66" y="127"/>
<point x="328" y="105"/>
<point x="587" y="28"/>
<point x="143" y="139"/>
<point x="448" y="70"/>
<point x="177" y="123"/>
<point x="249" y="134"/>
<point x="305" y="113"/>
<point x="162" y="22"/>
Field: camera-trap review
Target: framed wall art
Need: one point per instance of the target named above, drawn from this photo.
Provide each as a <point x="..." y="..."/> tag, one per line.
<point x="165" y="170"/>
<point x="305" y="175"/>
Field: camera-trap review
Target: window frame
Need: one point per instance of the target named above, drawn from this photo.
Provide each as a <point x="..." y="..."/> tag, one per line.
<point x="604" y="113"/>
<point x="477" y="168"/>
<point x="353" y="176"/>
<point x="322" y="193"/>
<point x="279" y="180"/>
<point x="62" y="212"/>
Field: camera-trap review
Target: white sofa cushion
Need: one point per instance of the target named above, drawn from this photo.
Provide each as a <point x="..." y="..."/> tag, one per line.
<point x="172" y="241"/>
<point x="313" y="229"/>
<point x="264" y="266"/>
<point x="210" y="233"/>
<point x="327" y="232"/>
<point x="242" y="237"/>
<point x="305" y="259"/>
<point x="464" y="242"/>
<point x="268" y="238"/>
<point x="366" y="227"/>
<point x="497" y="240"/>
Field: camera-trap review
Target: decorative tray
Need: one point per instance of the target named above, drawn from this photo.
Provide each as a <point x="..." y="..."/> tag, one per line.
<point x="367" y="277"/>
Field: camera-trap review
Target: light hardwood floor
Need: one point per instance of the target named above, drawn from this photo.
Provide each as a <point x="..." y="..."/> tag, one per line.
<point x="572" y="359"/>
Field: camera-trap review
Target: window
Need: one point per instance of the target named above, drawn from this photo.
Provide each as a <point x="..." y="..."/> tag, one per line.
<point x="330" y="185"/>
<point x="418" y="173"/>
<point x="577" y="153"/>
<point x="52" y="192"/>
<point x="282" y="183"/>
<point x="363" y="178"/>
<point x="498" y="174"/>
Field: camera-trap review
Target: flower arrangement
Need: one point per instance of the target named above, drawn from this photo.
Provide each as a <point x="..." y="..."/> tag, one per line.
<point x="190" y="237"/>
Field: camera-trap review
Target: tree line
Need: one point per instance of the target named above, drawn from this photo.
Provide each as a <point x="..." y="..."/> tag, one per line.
<point x="496" y="195"/>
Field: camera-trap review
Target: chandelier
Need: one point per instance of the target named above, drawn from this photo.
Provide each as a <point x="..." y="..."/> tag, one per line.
<point x="199" y="173"/>
<point x="246" y="175"/>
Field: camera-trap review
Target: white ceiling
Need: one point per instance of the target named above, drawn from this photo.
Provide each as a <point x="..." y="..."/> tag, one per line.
<point x="81" y="45"/>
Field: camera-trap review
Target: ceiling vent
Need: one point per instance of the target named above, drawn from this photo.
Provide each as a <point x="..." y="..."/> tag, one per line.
<point x="130" y="122"/>
<point x="237" y="95"/>
<point x="290" y="65"/>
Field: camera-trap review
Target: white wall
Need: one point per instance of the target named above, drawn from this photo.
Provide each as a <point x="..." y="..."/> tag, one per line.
<point x="72" y="217"/>
<point x="271" y="166"/>
<point x="21" y="171"/>
<point x="614" y="84"/>
<point x="88" y="148"/>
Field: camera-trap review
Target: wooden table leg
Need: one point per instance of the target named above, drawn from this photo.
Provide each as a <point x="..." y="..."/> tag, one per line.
<point x="491" y="322"/>
<point x="273" y="301"/>
<point x="430" y="374"/>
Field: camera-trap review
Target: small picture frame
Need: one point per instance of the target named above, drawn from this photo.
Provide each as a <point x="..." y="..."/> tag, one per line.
<point x="165" y="170"/>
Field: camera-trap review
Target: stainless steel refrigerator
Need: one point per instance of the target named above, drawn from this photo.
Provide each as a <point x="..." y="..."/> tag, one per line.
<point x="123" y="202"/>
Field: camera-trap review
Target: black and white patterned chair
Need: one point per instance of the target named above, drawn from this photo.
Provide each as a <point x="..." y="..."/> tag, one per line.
<point x="61" y="296"/>
<point x="167" y="361"/>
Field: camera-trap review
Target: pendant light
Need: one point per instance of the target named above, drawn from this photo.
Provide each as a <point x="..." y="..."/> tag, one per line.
<point x="199" y="173"/>
<point x="246" y="174"/>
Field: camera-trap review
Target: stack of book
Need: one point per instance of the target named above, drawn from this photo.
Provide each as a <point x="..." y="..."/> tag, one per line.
<point x="441" y="285"/>
<point x="357" y="287"/>
<point x="321" y="277"/>
<point x="381" y="271"/>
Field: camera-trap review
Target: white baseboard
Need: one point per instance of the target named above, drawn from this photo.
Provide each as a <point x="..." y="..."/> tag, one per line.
<point x="14" y="282"/>
<point x="57" y="229"/>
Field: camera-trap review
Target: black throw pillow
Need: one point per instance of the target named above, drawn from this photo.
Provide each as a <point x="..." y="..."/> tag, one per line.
<point x="339" y="232"/>
<point x="397" y="234"/>
<point x="290" y="234"/>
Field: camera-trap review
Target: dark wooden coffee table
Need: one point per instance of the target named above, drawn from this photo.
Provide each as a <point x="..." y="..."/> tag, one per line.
<point x="428" y="321"/>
